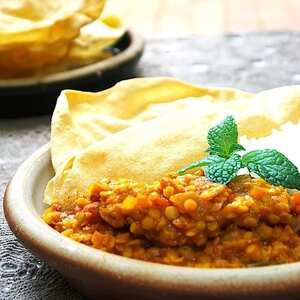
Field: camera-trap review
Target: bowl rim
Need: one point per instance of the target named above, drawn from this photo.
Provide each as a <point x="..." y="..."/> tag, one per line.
<point x="45" y="242"/>
<point x="136" y="46"/>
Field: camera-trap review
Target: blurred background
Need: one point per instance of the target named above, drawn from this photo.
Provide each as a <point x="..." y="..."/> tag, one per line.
<point x="206" y="17"/>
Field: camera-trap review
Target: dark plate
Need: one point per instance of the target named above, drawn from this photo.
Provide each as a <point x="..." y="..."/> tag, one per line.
<point x="37" y="95"/>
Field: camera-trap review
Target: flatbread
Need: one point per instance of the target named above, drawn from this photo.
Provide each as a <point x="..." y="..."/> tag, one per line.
<point x="47" y="21"/>
<point x="36" y="33"/>
<point x="143" y="128"/>
<point x="94" y="39"/>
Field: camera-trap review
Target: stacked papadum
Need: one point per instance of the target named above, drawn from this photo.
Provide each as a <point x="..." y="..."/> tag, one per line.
<point x="36" y="34"/>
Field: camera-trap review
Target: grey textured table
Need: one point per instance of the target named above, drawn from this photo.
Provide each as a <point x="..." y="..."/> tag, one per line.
<point x="250" y="62"/>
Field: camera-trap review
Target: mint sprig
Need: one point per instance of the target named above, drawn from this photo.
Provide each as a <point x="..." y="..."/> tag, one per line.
<point x="223" y="138"/>
<point x="223" y="162"/>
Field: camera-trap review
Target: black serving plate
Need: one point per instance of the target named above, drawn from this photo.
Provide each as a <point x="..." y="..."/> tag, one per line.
<point x="37" y="95"/>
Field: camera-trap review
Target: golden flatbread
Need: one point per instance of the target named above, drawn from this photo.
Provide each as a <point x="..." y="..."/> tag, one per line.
<point x="142" y="129"/>
<point x="56" y="34"/>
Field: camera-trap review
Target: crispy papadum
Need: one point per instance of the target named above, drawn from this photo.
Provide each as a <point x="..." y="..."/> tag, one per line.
<point x="93" y="39"/>
<point x="37" y="35"/>
<point x="141" y="129"/>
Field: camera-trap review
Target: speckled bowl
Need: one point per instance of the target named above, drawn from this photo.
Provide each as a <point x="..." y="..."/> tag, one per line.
<point x="101" y="275"/>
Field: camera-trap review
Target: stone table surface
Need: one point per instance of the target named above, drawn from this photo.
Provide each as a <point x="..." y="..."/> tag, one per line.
<point x="252" y="62"/>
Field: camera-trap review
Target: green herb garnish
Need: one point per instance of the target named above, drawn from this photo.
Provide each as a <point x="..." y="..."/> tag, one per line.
<point x="223" y="162"/>
<point x="223" y="138"/>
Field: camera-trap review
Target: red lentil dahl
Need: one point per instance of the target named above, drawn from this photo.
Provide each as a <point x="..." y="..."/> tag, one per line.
<point x="186" y="221"/>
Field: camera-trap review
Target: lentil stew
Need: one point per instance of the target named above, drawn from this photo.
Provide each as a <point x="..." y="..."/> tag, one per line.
<point x="185" y="220"/>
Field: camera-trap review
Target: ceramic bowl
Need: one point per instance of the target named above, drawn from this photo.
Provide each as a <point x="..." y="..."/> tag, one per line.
<point x="101" y="275"/>
<point x="37" y="95"/>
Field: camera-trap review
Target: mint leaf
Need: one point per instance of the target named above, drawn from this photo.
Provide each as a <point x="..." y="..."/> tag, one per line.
<point x="200" y="163"/>
<point x="273" y="167"/>
<point x="223" y="138"/>
<point x="223" y="170"/>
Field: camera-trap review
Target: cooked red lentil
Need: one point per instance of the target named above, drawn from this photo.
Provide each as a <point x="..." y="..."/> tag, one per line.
<point x="185" y="220"/>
